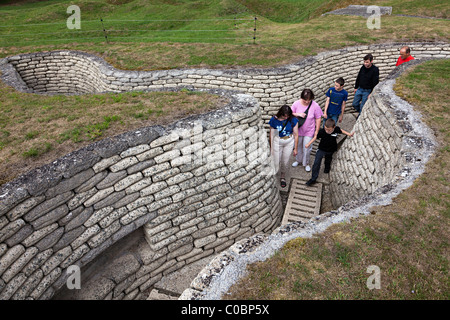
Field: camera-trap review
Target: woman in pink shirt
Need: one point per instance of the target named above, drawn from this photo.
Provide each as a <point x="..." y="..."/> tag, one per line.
<point x="310" y="128"/>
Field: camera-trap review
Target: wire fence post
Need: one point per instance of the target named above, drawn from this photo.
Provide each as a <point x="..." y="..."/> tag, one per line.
<point x="254" y="32"/>
<point x="104" y="31"/>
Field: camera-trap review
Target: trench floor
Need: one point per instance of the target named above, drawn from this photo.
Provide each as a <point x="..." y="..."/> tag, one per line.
<point x="171" y="286"/>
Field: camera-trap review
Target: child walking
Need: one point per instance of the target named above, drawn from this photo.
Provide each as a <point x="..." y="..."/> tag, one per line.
<point x="327" y="146"/>
<point x="335" y="103"/>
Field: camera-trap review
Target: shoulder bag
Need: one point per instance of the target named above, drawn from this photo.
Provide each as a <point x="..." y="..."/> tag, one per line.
<point x="301" y="120"/>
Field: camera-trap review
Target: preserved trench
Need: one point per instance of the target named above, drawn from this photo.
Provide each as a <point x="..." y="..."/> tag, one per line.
<point x="132" y="210"/>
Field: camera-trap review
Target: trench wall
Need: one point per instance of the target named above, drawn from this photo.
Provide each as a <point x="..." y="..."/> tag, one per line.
<point x="77" y="72"/>
<point x="374" y="155"/>
<point x="70" y="211"/>
<point x="194" y="188"/>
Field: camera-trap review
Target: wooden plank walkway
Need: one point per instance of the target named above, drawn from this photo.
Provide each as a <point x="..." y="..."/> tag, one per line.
<point x="303" y="202"/>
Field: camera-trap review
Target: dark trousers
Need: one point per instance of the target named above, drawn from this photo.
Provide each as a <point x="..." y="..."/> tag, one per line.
<point x="320" y="154"/>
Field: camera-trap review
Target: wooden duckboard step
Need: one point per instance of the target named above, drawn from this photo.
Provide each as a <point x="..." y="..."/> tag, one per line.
<point x="303" y="203"/>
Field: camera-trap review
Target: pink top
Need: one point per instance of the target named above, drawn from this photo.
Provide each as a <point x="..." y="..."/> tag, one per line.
<point x="315" y="112"/>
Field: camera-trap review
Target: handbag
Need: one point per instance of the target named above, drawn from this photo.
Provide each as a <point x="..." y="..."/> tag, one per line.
<point x="301" y="121"/>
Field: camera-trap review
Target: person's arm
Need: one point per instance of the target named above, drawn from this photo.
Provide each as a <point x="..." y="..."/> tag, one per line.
<point x="347" y="133"/>
<point x="312" y="141"/>
<point x="375" y="78"/>
<point x="318" y="121"/>
<point x="294" y="111"/>
<point x="301" y="115"/>
<point x="357" y="79"/>
<point x="342" y="111"/>
<point x="296" y="140"/>
<point x="327" y="102"/>
<point x="270" y="137"/>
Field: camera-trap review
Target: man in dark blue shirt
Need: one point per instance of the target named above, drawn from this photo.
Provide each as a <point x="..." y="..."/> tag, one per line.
<point x="368" y="78"/>
<point x="335" y="103"/>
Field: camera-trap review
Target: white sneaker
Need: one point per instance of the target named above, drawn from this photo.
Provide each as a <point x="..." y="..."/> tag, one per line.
<point x="308" y="168"/>
<point x="295" y="164"/>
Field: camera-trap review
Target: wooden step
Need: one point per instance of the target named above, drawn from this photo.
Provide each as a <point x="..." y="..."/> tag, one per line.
<point x="303" y="202"/>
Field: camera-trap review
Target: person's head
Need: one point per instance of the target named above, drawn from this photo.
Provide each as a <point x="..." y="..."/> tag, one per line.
<point x="329" y="126"/>
<point x="285" y="112"/>
<point x="339" y="84"/>
<point x="368" y="60"/>
<point x="307" y="96"/>
<point x="405" y="52"/>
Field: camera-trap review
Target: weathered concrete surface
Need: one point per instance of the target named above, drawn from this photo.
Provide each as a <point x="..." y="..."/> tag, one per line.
<point x="357" y="10"/>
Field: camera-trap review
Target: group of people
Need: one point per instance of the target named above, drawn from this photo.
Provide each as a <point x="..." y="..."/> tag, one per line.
<point x="294" y="128"/>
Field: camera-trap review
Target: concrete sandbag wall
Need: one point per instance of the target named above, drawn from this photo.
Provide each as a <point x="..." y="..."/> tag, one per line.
<point x="194" y="187"/>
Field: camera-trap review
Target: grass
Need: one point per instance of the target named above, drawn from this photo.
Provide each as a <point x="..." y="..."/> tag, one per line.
<point x="408" y="240"/>
<point x="36" y="129"/>
<point x="283" y="33"/>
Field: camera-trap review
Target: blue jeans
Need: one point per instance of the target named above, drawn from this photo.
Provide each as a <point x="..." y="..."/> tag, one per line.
<point x="320" y="154"/>
<point x="360" y="99"/>
<point x="335" y="117"/>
